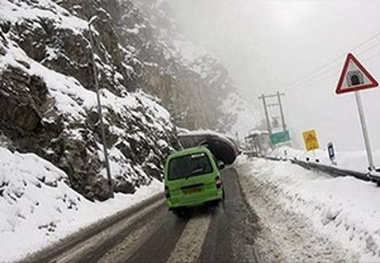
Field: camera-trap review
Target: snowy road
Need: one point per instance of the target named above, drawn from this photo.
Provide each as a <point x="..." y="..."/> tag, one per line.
<point x="254" y="226"/>
<point x="203" y="235"/>
<point x="210" y="234"/>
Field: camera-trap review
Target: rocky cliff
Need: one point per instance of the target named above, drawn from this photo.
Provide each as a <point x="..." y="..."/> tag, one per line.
<point x="191" y="83"/>
<point x="47" y="94"/>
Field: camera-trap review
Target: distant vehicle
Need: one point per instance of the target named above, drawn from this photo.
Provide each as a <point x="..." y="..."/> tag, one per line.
<point x="192" y="179"/>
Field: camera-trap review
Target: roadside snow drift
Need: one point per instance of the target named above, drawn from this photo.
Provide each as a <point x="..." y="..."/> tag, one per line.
<point x="39" y="208"/>
<point x="344" y="209"/>
<point x="355" y="161"/>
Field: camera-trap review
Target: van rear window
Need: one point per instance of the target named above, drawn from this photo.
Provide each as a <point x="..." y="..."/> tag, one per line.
<point x="189" y="165"/>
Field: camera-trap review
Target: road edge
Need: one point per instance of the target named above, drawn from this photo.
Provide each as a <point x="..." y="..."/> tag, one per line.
<point x="235" y="167"/>
<point x="85" y="233"/>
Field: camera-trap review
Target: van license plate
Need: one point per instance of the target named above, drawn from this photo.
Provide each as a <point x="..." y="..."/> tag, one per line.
<point x="193" y="190"/>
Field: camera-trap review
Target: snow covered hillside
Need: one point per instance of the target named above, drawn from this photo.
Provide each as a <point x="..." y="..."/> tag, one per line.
<point x="38" y="207"/>
<point x="48" y="100"/>
<point x="310" y="216"/>
<point x="150" y="77"/>
<point x="201" y="92"/>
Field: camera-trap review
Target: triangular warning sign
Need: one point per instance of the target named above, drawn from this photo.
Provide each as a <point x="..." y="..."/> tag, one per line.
<point x="354" y="77"/>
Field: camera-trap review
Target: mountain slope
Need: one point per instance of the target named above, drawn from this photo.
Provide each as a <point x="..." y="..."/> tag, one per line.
<point x="144" y="64"/>
<point x="49" y="105"/>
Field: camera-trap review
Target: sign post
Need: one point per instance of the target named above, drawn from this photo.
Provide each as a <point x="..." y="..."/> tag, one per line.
<point x="331" y="152"/>
<point x="311" y="140"/>
<point x="355" y="77"/>
<point x="279" y="137"/>
<point x="365" y="132"/>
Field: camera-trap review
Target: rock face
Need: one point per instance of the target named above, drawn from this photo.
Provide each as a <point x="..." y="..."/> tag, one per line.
<point x="48" y="98"/>
<point x="191" y="83"/>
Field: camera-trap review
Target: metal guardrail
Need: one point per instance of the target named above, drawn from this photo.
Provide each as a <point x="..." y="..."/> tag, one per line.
<point x="331" y="170"/>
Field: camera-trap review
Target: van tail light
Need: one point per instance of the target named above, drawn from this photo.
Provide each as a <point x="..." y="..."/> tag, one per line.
<point x="167" y="192"/>
<point x="218" y="182"/>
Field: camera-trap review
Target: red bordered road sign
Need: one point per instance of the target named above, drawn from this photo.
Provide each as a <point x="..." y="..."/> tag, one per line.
<point x="354" y="77"/>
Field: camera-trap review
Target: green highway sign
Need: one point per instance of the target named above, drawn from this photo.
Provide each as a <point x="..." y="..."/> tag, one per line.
<point x="280" y="137"/>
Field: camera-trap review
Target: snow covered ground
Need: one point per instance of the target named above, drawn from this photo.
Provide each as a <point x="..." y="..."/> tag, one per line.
<point x="356" y="161"/>
<point x="305" y="216"/>
<point x="309" y="216"/>
<point x="39" y="208"/>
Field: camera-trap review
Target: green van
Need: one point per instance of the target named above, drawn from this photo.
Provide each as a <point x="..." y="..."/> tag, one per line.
<point x="192" y="179"/>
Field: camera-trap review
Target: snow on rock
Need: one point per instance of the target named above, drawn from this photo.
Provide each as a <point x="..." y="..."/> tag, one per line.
<point x="342" y="210"/>
<point x="18" y="10"/>
<point x="245" y="116"/>
<point x="39" y="208"/>
<point x="202" y="94"/>
<point x="189" y="53"/>
<point x="47" y="80"/>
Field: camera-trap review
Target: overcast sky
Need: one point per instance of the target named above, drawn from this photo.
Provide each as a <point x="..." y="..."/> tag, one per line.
<point x="271" y="46"/>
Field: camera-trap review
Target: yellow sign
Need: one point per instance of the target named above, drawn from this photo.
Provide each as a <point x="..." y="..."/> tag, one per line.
<point x="310" y="139"/>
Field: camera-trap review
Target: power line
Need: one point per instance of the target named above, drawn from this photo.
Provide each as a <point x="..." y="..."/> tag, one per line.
<point x="309" y="75"/>
<point x="322" y="74"/>
<point x="315" y="71"/>
<point x="314" y="75"/>
<point x="322" y="79"/>
<point x="366" y="41"/>
<point x="371" y="57"/>
<point x="311" y="78"/>
<point x="368" y="49"/>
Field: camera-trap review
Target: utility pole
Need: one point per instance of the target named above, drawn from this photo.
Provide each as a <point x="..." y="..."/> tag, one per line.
<point x="266" y="113"/>
<point x="266" y="106"/>
<point x="281" y="110"/>
<point x="276" y="137"/>
<point x="108" y="170"/>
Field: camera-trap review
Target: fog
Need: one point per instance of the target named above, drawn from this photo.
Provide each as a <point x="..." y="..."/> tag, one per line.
<point x="295" y="47"/>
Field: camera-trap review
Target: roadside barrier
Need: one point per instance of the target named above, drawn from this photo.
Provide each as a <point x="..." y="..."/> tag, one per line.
<point x="331" y="170"/>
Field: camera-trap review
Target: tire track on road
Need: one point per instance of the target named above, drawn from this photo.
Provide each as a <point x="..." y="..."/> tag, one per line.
<point x="233" y="229"/>
<point x="160" y="245"/>
<point x="153" y="234"/>
<point x="189" y="245"/>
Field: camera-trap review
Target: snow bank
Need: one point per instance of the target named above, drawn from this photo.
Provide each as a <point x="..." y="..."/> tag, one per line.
<point x="345" y="209"/>
<point x="356" y="161"/>
<point x="39" y="208"/>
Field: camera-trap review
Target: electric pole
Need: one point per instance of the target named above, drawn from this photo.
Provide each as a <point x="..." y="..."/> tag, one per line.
<point x="266" y="113"/>
<point x="104" y="141"/>
<point x="281" y="110"/>
<point x="279" y="104"/>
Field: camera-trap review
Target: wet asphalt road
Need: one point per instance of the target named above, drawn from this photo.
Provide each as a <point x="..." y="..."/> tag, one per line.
<point x="226" y="233"/>
<point x="152" y="234"/>
<point x="230" y="233"/>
